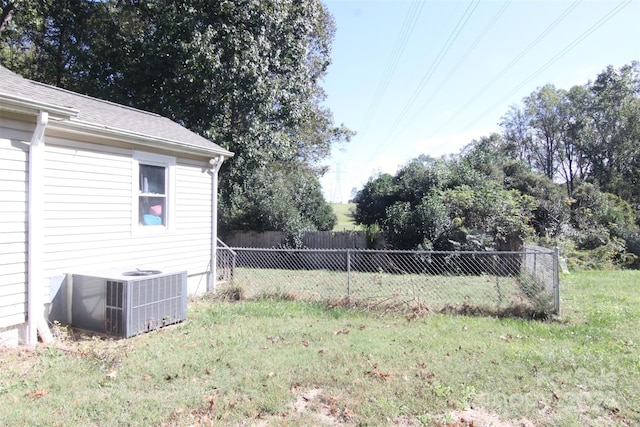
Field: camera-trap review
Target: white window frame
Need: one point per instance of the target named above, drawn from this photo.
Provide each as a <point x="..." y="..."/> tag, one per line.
<point x="152" y="159"/>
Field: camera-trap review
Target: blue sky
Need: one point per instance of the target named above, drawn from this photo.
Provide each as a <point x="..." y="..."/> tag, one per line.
<point x="428" y="77"/>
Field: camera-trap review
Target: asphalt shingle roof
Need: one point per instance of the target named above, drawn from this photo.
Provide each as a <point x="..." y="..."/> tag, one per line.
<point x="104" y="114"/>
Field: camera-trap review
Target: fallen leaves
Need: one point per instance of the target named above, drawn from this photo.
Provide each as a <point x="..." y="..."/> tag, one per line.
<point x="37" y="393"/>
<point x="375" y="373"/>
<point x="427" y="376"/>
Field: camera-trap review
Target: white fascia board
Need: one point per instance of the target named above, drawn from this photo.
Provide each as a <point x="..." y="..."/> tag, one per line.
<point x="32" y="107"/>
<point x="87" y="128"/>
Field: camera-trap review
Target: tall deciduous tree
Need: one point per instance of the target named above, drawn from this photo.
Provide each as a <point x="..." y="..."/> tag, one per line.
<point x="517" y="135"/>
<point x="589" y="133"/>
<point x="575" y="130"/>
<point x="613" y="146"/>
<point x="543" y="109"/>
<point x="245" y="73"/>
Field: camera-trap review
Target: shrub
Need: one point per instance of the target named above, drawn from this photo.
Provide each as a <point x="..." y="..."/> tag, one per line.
<point x="535" y="291"/>
<point x="605" y="257"/>
<point x="632" y="241"/>
<point x="229" y="294"/>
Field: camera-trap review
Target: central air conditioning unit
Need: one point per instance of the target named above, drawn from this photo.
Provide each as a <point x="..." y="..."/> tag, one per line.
<point x="127" y="302"/>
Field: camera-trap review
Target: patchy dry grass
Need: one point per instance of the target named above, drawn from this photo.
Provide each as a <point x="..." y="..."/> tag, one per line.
<point x="276" y="361"/>
<point x="479" y="295"/>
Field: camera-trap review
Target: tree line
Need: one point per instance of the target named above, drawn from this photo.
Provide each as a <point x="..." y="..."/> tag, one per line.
<point x="245" y="74"/>
<point x="564" y="171"/>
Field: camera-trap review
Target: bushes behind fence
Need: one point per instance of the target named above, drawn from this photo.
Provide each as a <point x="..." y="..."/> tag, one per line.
<point x="393" y="262"/>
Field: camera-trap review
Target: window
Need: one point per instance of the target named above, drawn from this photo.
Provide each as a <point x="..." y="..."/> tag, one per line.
<point x="153" y="201"/>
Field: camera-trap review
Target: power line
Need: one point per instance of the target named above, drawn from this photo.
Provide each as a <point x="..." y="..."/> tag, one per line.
<point x="405" y="32"/>
<point x="443" y="52"/>
<point x="555" y="58"/>
<point x="513" y="62"/>
<point x="477" y="41"/>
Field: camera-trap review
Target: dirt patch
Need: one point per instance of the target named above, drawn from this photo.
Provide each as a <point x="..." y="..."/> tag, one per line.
<point x="480" y="418"/>
<point x="323" y="409"/>
<point x="326" y="413"/>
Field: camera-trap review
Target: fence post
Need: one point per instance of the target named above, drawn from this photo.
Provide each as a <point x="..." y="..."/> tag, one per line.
<point x="233" y="268"/>
<point x="556" y="281"/>
<point x="496" y="271"/>
<point x="349" y="273"/>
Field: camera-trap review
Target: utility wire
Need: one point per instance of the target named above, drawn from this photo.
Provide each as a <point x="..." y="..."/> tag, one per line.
<point x="513" y="62"/>
<point x="405" y="33"/>
<point x="559" y="55"/>
<point x="443" y="52"/>
<point x="477" y="41"/>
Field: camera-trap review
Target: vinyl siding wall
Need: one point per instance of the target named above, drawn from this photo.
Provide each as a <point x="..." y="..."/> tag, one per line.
<point x="89" y="219"/>
<point x="14" y="155"/>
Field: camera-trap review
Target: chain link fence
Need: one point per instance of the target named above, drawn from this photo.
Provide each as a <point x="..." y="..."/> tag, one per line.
<point x="511" y="283"/>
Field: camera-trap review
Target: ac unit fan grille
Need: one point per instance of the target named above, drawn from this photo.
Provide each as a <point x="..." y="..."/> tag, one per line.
<point x="155" y="303"/>
<point x="128" y="307"/>
<point x="115" y="300"/>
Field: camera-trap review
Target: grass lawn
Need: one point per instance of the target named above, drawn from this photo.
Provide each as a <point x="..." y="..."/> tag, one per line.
<point x="274" y="363"/>
<point x="344" y="212"/>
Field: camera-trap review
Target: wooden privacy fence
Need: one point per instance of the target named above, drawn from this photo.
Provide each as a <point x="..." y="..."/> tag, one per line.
<point x="311" y="239"/>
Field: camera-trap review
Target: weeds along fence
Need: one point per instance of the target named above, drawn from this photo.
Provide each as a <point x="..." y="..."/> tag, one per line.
<point x="524" y="283"/>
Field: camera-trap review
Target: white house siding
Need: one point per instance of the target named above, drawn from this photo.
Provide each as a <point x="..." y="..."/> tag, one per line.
<point x="14" y="154"/>
<point x="88" y="214"/>
<point x="88" y="218"/>
<point x="193" y="219"/>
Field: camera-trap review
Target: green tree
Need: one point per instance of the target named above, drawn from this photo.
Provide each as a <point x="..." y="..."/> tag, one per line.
<point x="503" y="214"/>
<point x="372" y="202"/>
<point x="550" y="213"/>
<point x="517" y="135"/>
<point x="51" y="41"/>
<point x="545" y="120"/>
<point x="282" y="198"/>
<point x="589" y="133"/>
<point x="612" y="148"/>
<point x="244" y="73"/>
<point x="572" y="127"/>
<point x="603" y="227"/>
<point x="420" y="177"/>
<point x="479" y="161"/>
<point x="448" y="204"/>
<point x="409" y="226"/>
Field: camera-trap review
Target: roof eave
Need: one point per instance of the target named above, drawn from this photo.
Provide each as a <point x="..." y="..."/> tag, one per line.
<point x="87" y="128"/>
<point x="32" y="107"/>
<point x="64" y="118"/>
